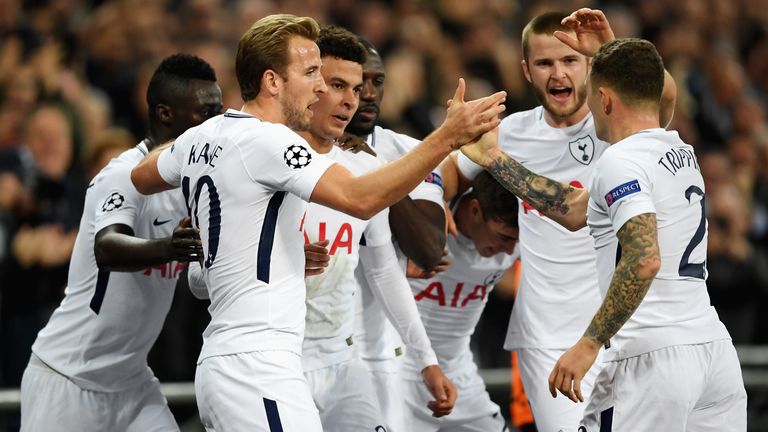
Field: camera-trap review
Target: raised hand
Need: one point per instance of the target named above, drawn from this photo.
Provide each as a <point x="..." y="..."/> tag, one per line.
<point x="484" y="150"/>
<point x="185" y="243"/>
<point x="466" y="121"/>
<point x="592" y="31"/>
<point x="441" y="388"/>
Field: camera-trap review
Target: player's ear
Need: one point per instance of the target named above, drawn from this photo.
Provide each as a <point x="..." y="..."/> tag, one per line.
<point x="163" y="113"/>
<point x="606" y="100"/>
<point x="272" y="82"/>
<point x="474" y="207"/>
<point x="526" y="71"/>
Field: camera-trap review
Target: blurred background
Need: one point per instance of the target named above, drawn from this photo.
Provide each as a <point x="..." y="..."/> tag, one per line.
<point x="73" y="77"/>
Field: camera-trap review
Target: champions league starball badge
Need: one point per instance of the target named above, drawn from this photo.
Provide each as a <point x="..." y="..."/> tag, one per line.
<point x="297" y="156"/>
<point x="115" y="201"/>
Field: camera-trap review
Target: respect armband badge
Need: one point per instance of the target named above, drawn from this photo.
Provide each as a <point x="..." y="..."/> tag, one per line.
<point x="621" y="191"/>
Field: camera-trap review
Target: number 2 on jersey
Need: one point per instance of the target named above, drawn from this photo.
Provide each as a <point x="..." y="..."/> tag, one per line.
<point x="686" y="268"/>
<point x="214" y="212"/>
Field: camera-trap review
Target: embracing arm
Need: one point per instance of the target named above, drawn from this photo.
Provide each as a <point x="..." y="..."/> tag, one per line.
<point x="668" y="100"/>
<point x="146" y="177"/>
<point x="117" y="249"/>
<point x="419" y="227"/>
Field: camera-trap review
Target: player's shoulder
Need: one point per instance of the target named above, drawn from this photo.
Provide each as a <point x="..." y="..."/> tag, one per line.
<point x="358" y="163"/>
<point x="522" y="119"/>
<point x="242" y="126"/>
<point x="122" y="163"/>
<point x="398" y="139"/>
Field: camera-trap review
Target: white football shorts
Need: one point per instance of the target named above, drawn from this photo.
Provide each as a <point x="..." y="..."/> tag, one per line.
<point x="474" y="411"/>
<point x="52" y="402"/>
<point x="345" y="397"/>
<point x="678" y="388"/>
<point x="260" y="391"/>
<point x="552" y="414"/>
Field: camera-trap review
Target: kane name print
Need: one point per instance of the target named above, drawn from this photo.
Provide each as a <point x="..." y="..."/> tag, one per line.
<point x="204" y="154"/>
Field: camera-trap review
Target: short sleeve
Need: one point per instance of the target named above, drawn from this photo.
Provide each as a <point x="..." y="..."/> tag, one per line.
<point x="117" y="200"/>
<point x="170" y="161"/>
<point x="468" y="168"/>
<point x="287" y="163"/>
<point x="377" y="230"/>
<point x="623" y="187"/>
<point x="431" y="189"/>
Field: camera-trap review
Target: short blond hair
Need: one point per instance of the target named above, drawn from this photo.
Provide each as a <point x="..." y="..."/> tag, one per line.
<point x="544" y="24"/>
<point x="265" y="46"/>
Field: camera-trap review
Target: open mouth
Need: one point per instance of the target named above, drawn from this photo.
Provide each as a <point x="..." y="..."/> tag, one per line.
<point x="560" y="93"/>
<point x="340" y="117"/>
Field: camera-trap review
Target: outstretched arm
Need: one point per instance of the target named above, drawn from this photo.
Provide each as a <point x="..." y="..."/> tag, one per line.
<point x="366" y="195"/>
<point x="117" y="249"/>
<point x="561" y="202"/>
<point x="637" y="267"/>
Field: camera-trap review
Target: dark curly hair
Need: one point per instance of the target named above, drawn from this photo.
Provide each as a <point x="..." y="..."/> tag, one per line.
<point x="172" y="76"/>
<point x="335" y="41"/>
<point x="495" y="201"/>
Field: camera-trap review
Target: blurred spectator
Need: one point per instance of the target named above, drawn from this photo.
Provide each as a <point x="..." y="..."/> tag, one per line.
<point x="40" y="226"/>
<point x="104" y="148"/>
<point x="738" y="272"/>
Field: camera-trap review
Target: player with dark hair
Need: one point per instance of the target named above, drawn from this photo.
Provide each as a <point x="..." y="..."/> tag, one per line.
<point x="417" y="223"/>
<point x="246" y="177"/>
<point x="645" y="211"/>
<point x="341" y="386"/>
<point x="450" y="304"/>
<point x="88" y="370"/>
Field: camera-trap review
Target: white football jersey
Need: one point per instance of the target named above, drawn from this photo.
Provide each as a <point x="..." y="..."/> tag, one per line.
<point x="106" y="324"/>
<point x="558" y="292"/>
<point x="451" y="302"/>
<point x="375" y="336"/>
<point x="245" y="182"/>
<point x="330" y="295"/>
<point x="653" y="171"/>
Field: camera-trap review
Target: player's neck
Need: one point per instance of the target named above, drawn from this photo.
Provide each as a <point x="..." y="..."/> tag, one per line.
<point x="624" y="126"/>
<point x="461" y="216"/>
<point x="567" y="121"/>
<point x="318" y="144"/>
<point x="157" y="136"/>
<point x="264" y="110"/>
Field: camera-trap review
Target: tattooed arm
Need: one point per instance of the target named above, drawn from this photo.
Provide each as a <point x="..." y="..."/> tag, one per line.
<point x="561" y="202"/>
<point x="639" y="263"/>
<point x="634" y="273"/>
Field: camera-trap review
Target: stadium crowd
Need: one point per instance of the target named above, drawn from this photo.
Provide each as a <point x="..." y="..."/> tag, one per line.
<point x="73" y="77"/>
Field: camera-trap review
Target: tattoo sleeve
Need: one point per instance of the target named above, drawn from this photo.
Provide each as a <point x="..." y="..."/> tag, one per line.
<point x="544" y="194"/>
<point x="634" y="273"/>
